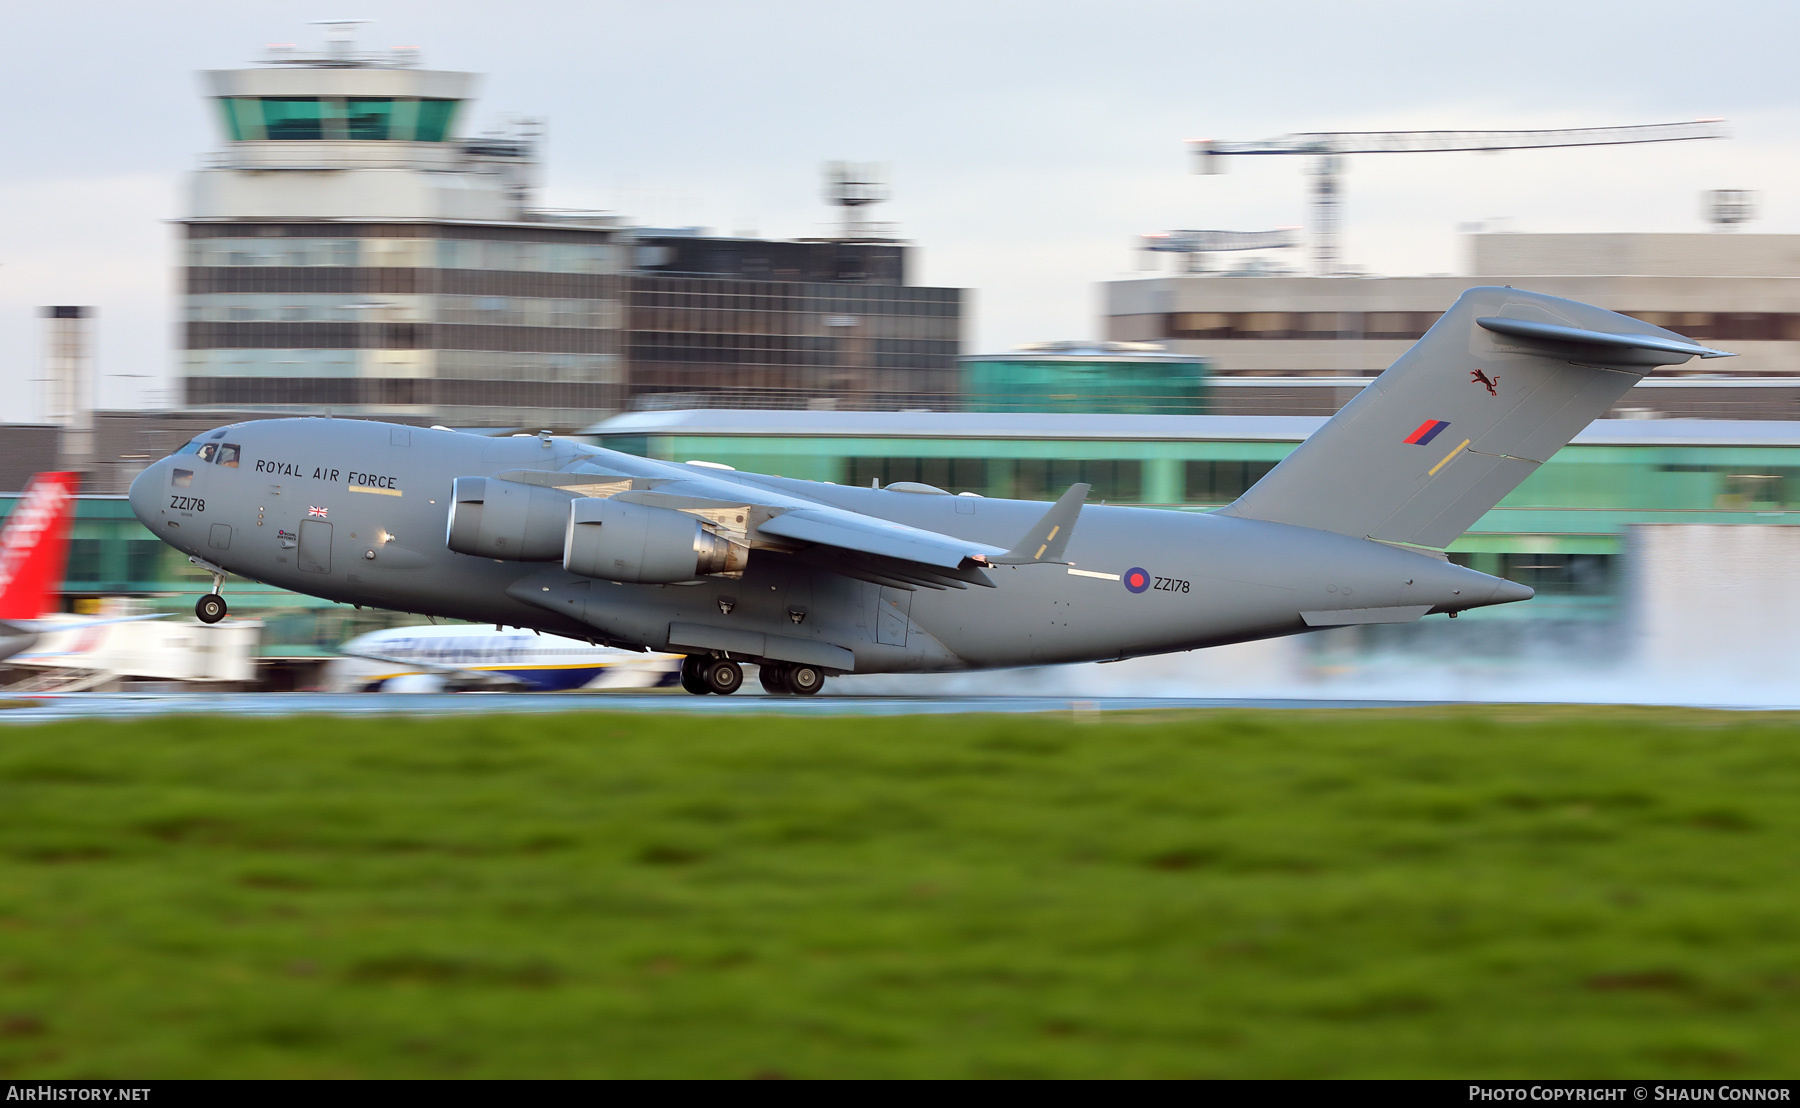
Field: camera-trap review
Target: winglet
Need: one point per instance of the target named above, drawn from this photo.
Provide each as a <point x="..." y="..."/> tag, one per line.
<point x="1046" y="540"/>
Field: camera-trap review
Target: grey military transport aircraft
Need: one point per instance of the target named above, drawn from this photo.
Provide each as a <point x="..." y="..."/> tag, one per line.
<point x="809" y="579"/>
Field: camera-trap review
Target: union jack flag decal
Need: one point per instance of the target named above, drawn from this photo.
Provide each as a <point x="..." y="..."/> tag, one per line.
<point x="317" y="513"/>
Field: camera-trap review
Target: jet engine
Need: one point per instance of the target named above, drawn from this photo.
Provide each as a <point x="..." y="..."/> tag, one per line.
<point x="618" y="541"/>
<point x="505" y="519"/>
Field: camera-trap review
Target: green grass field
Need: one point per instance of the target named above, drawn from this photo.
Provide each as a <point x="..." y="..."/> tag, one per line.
<point x="1498" y="892"/>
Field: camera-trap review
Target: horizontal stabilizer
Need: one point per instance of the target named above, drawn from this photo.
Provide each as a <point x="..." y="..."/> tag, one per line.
<point x="1636" y="349"/>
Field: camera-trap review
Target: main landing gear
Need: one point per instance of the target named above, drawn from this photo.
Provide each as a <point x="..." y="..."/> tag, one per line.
<point x="789" y="679"/>
<point x="701" y="675"/>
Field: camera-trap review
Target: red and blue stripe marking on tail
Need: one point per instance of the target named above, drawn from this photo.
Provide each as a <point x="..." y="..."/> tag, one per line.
<point x="1427" y="431"/>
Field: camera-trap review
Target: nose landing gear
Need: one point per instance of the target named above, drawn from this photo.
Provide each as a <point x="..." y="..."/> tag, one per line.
<point x="211" y="607"/>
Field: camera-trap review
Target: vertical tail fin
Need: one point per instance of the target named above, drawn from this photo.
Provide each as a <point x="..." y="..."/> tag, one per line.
<point x="1504" y="380"/>
<point x="34" y="546"/>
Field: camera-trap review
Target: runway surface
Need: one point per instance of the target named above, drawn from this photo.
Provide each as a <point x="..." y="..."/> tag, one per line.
<point x="119" y="705"/>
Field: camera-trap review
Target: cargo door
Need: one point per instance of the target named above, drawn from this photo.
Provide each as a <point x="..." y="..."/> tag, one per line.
<point x="315" y="546"/>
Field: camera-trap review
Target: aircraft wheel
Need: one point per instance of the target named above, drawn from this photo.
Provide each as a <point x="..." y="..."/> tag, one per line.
<point x="691" y="678"/>
<point x="723" y="676"/>
<point x="210" y="608"/>
<point x="774" y="678"/>
<point x="804" y="680"/>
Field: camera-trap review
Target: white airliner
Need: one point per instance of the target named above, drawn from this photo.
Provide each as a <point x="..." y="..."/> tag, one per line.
<point x="472" y="656"/>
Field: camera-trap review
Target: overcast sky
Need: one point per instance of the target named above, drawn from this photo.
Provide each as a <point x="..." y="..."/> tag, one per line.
<point x="1028" y="143"/>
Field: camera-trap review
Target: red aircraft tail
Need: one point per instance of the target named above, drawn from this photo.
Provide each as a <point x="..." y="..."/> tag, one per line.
<point x="34" y="547"/>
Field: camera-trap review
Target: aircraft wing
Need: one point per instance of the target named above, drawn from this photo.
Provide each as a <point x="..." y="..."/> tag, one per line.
<point x="894" y="553"/>
<point x="879" y="537"/>
<point x="837" y="539"/>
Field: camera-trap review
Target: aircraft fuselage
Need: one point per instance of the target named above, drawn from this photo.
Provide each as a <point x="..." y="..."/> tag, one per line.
<point x="355" y="512"/>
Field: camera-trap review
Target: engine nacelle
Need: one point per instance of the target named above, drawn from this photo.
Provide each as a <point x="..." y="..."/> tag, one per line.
<point x="507" y="520"/>
<point x="619" y="541"/>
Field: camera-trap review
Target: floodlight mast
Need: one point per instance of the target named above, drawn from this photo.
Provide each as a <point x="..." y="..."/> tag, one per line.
<point x="1327" y="149"/>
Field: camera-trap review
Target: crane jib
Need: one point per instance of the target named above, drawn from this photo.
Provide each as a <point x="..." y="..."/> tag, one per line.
<point x="1328" y="149"/>
<point x="1432" y="142"/>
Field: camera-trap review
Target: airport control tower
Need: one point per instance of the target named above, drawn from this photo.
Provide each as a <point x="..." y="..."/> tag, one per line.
<point x="349" y="248"/>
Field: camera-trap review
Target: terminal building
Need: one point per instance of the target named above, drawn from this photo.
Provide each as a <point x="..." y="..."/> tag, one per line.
<point x="352" y="249"/>
<point x="751" y="323"/>
<point x="1101" y="377"/>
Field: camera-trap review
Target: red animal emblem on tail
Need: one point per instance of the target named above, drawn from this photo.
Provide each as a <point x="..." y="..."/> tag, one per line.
<point x="1477" y="377"/>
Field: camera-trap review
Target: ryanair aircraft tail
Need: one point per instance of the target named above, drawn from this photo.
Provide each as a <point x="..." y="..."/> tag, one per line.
<point x="1504" y="380"/>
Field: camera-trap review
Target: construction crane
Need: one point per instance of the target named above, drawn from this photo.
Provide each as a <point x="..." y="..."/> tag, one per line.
<point x="1195" y="244"/>
<point x="1328" y="150"/>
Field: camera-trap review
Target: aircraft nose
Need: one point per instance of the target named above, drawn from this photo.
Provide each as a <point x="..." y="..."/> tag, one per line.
<point x="144" y="490"/>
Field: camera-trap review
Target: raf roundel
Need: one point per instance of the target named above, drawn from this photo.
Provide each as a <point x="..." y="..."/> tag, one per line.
<point x="1137" y="580"/>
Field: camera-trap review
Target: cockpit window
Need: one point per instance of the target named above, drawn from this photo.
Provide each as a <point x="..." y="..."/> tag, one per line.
<point x="207" y="451"/>
<point x="181" y="478"/>
<point x="217" y="435"/>
<point x="228" y="454"/>
<point x="190" y="448"/>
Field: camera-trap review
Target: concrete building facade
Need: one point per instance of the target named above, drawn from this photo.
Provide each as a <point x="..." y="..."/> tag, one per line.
<point x="349" y="250"/>
<point x="755" y="323"/>
<point x="1733" y="290"/>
